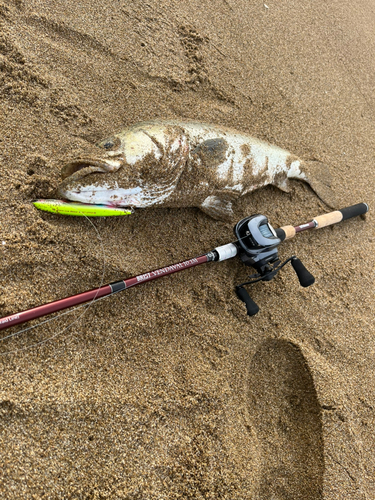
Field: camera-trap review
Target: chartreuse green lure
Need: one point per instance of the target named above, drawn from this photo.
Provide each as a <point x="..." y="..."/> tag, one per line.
<point x="80" y="209"/>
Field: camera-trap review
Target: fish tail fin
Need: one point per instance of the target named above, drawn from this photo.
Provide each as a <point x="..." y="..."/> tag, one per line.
<point x="319" y="178"/>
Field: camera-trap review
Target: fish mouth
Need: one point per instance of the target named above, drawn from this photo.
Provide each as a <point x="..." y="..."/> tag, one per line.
<point x="83" y="166"/>
<point x="101" y="194"/>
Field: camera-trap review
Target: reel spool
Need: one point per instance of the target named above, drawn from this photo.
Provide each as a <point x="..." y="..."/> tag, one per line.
<point x="258" y="244"/>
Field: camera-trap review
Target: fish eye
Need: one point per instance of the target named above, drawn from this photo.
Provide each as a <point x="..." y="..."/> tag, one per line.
<point x="110" y="144"/>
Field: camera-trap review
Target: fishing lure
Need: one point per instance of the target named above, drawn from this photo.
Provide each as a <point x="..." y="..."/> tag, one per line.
<point x="80" y="209"/>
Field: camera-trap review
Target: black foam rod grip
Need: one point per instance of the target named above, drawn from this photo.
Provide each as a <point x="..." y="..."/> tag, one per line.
<point x="354" y="210"/>
<point x="251" y="306"/>
<point x="305" y="278"/>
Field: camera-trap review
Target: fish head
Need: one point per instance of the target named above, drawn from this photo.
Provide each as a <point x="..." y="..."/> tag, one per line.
<point x="109" y="159"/>
<point x="137" y="167"/>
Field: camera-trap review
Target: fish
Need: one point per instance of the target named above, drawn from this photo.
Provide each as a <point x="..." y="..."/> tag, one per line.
<point x="179" y="164"/>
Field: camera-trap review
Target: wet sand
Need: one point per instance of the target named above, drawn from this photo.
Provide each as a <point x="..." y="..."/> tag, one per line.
<point x="169" y="390"/>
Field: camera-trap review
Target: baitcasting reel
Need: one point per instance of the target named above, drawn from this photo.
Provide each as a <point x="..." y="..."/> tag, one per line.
<point x="257" y="243"/>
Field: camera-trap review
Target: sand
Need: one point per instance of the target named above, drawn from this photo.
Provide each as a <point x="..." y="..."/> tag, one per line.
<point x="169" y="390"/>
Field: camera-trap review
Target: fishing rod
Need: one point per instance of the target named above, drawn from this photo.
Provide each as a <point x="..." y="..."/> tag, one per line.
<point x="256" y="245"/>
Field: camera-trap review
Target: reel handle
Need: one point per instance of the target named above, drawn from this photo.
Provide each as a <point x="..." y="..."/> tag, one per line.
<point x="251" y="307"/>
<point x="305" y="278"/>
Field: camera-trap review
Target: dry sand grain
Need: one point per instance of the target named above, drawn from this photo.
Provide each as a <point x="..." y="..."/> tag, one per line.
<point x="169" y="390"/>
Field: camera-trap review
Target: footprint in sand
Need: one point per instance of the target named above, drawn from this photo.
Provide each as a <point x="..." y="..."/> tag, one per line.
<point x="285" y="411"/>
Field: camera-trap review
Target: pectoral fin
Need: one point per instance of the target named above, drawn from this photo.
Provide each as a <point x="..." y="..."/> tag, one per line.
<point x="217" y="208"/>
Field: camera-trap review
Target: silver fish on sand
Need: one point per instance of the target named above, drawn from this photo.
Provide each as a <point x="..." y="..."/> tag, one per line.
<point x="185" y="164"/>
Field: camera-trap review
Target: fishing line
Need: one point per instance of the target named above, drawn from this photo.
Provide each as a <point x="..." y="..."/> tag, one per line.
<point x="87" y="306"/>
<point x="51" y="319"/>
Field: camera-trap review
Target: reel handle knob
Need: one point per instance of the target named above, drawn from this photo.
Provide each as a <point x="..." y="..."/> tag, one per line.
<point x="305" y="278"/>
<point x="251" y="306"/>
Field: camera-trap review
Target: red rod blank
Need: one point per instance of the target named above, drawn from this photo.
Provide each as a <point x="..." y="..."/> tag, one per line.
<point x="96" y="293"/>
